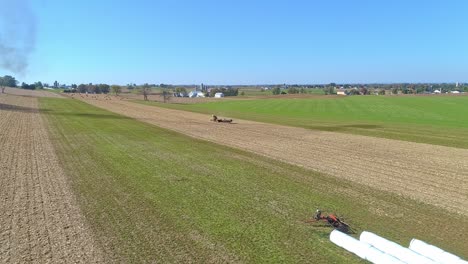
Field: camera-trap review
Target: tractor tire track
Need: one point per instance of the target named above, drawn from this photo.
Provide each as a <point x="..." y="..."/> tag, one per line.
<point x="431" y="174"/>
<point x="40" y="219"/>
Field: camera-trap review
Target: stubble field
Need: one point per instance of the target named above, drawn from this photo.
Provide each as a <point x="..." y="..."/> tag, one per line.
<point x="40" y="220"/>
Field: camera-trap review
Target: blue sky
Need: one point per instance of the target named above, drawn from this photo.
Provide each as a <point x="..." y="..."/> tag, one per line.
<point x="249" y="42"/>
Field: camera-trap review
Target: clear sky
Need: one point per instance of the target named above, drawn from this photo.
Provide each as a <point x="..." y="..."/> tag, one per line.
<point x="248" y="41"/>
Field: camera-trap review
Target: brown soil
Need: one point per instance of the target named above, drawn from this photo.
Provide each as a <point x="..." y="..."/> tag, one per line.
<point x="33" y="93"/>
<point x="431" y="174"/>
<point x="40" y="221"/>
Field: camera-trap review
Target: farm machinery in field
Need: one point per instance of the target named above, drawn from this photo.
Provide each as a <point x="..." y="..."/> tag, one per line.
<point x="331" y="220"/>
<point x="214" y="118"/>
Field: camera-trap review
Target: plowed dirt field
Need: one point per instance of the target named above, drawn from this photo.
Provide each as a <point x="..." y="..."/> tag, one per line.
<point x="40" y="221"/>
<point x="431" y="174"/>
<point x="32" y="93"/>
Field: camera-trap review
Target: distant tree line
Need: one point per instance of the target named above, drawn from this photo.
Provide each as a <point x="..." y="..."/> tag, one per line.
<point x="225" y="91"/>
<point x="290" y="90"/>
<point x="7" y="81"/>
<point x="33" y="86"/>
<point x="92" y="88"/>
<point x="276" y="89"/>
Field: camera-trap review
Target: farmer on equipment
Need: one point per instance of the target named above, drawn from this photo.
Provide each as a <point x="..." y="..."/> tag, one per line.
<point x="214" y="118"/>
<point x="333" y="221"/>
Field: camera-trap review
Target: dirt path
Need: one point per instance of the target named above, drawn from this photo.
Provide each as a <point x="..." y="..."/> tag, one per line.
<point x="39" y="221"/>
<point x="432" y="174"/>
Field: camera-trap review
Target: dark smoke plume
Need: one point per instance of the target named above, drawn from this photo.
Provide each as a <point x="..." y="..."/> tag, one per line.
<point x="17" y="34"/>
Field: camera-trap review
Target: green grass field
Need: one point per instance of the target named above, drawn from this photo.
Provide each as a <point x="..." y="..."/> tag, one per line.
<point x="150" y="194"/>
<point x="438" y="120"/>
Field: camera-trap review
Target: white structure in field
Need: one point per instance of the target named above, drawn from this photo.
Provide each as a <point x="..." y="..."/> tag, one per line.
<point x="391" y="248"/>
<point x="376" y="249"/>
<point x="436" y="254"/>
<point x="361" y="249"/>
<point x="219" y="95"/>
<point x="194" y="94"/>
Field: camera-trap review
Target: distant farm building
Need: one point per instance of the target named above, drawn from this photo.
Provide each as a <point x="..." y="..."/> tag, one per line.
<point x="219" y="95"/>
<point x="194" y="94"/>
<point x="341" y="92"/>
<point x="437" y="91"/>
<point x="179" y="95"/>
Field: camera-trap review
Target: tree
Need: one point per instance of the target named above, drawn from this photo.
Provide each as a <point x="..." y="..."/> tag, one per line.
<point x="74" y="86"/>
<point x="2" y="86"/>
<point x="181" y="90"/>
<point x="329" y="90"/>
<point x="104" y="88"/>
<point x="27" y="86"/>
<point x="91" y="88"/>
<point x="145" y="90"/>
<point x="276" y="91"/>
<point x="97" y="89"/>
<point x="8" y="81"/>
<point x="302" y="91"/>
<point x="166" y="95"/>
<point x="225" y="91"/>
<point x="39" y="85"/>
<point x="56" y="84"/>
<point x="82" y="88"/>
<point x="116" y="89"/>
<point x="353" y="92"/>
<point x="363" y="91"/>
<point x="293" y="90"/>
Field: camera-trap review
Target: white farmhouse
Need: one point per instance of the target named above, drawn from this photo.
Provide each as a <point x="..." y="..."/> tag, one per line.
<point x="219" y="95"/>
